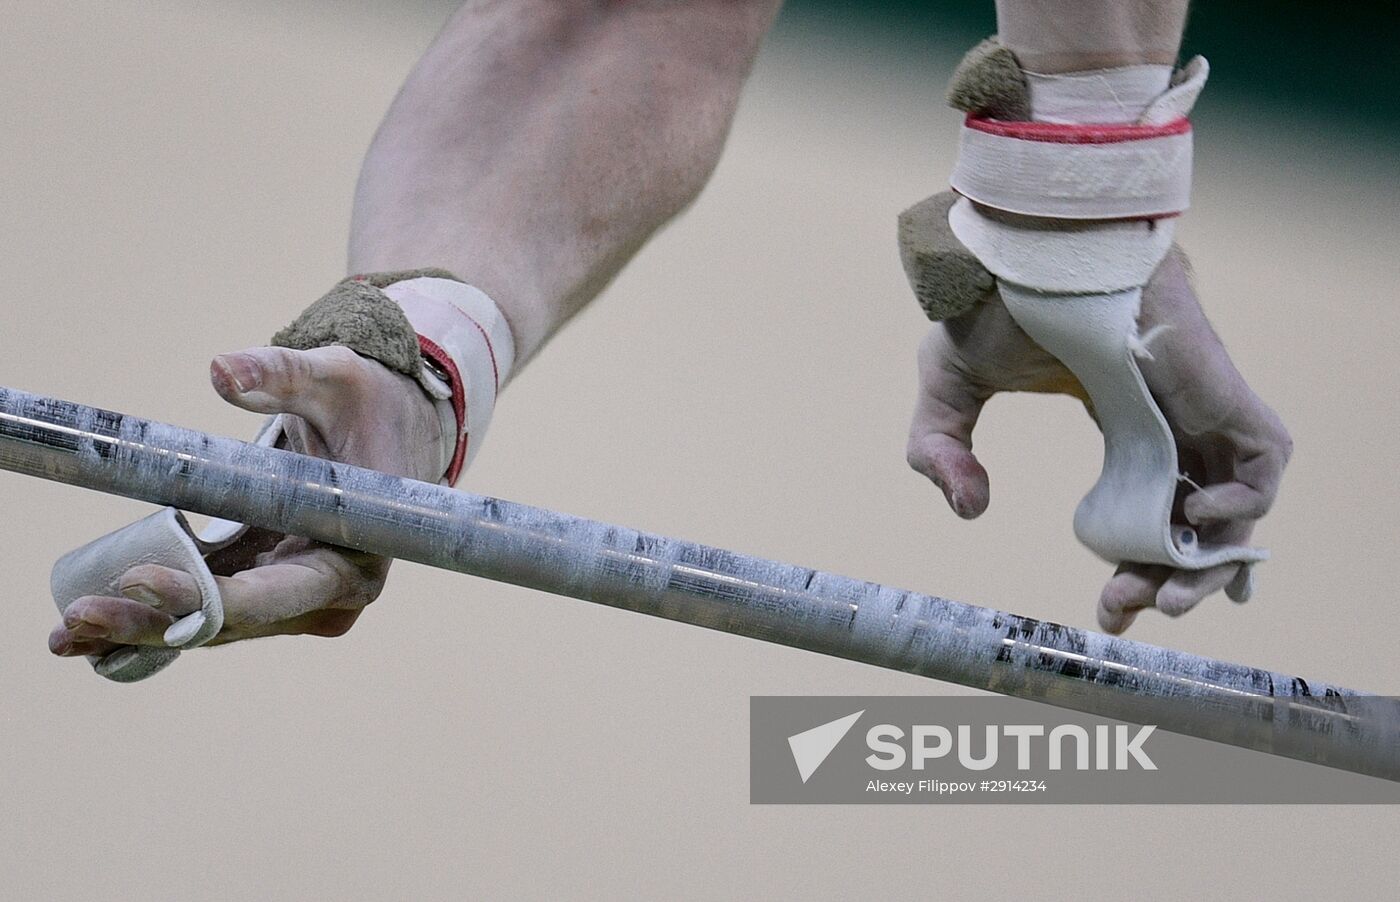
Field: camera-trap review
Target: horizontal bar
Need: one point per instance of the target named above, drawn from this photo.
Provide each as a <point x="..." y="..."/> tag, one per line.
<point x="691" y="583"/>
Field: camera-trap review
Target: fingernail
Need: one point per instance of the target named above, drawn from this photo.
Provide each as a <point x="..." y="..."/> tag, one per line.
<point x="143" y="595"/>
<point x="183" y="630"/>
<point x="244" y="371"/>
<point x="116" y="661"/>
<point x="81" y="629"/>
<point x="1241" y="587"/>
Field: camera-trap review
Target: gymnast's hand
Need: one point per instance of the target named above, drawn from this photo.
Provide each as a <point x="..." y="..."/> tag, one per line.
<point x="1230" y="444"/>
<point x="340" y="406"/>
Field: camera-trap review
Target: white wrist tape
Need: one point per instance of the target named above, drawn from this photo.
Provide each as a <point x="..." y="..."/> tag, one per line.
<point x="1094" y="171"/>
<point x="1101" y="95"/>
<point x="462" y="331"/>
<point x="1074" y="284"/>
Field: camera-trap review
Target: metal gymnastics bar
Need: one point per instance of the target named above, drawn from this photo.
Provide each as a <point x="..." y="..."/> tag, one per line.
<point x="709" y="587"/>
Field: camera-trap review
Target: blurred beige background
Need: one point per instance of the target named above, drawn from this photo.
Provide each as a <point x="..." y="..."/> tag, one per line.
<point x="175" y="181"/>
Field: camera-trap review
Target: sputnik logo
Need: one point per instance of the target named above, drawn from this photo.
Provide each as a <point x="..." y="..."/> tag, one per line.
<point x="811" y="747"/>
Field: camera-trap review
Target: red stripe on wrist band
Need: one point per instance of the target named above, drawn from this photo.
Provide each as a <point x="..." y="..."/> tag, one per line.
<point x="437" y="355"/>
<point x="490" y="348"/>
<point x="1088" y="133"/>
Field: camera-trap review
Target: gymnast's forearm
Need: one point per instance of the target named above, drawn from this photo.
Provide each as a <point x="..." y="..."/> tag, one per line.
<point x="538" y="145"/>
<point x="1074" y="35"/>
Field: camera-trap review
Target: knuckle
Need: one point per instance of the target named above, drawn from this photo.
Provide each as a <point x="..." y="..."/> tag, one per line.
<point x="238" y="623"/>
<point x="333" y="624"/>
<point x="1175" y="604"/>
<point x="363" y="567"/>
<point x="933" y="350"/>
<point x="145" y="576"/>
<point x="272" y="366"/>
<point x="163" y="581"/>
<point x="358" y="583"/>
<point x="915" y="457"/>
<point x="1114" y="597"/>
<point x="298" y="366"/>
<point x="360" y="593"/>
<point x="338" y="363"/>
<point x="1261" y="502"/>
<point x="84" y="606"/>
<point x="1277" y="437"/>
<point x="285" y="368"/>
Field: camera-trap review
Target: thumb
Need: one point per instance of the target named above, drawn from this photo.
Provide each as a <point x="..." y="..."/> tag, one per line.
<point x="310" y="384"/>
<point x="940" y="437"/>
